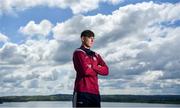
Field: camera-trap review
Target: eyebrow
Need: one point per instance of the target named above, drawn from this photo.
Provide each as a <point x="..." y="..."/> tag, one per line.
<point x="91" y="37"/>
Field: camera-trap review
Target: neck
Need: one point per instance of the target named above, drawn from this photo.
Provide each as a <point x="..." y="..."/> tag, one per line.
<point x="86" y="46"/>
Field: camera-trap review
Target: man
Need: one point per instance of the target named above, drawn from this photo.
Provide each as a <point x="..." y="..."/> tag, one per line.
<point x="88" y="66"/>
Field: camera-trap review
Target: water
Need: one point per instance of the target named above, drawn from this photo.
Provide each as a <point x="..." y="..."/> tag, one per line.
<point x="61" y="104"/>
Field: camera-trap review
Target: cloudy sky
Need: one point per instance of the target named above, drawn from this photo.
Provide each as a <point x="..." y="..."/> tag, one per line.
<point x="138" y="39"/>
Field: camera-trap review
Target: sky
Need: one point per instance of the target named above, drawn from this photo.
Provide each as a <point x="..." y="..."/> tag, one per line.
<point x="138" y="39"/>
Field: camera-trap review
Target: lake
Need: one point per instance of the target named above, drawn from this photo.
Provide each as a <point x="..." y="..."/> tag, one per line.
<point x="61" y="104"/>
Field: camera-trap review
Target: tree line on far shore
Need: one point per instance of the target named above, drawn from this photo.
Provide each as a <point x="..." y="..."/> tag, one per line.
<point x="166" y="99"/>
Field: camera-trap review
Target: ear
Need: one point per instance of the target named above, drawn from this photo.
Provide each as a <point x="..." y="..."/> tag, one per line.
<point x="82" y="38"/>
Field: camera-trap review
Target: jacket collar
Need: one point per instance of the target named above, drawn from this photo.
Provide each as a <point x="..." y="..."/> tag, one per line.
<point x="88" y="51"/>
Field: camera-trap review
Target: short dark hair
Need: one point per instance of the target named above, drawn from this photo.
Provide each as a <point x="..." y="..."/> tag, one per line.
<point x="87" y="33"/>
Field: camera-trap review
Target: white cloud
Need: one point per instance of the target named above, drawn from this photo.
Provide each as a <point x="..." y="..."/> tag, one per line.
<point x="33" y="67"/>
<point x="37" y="73"/>
<point x="71" y="29"/>
<point x="77" y="6"/>
<point x="33" y="29"/>
<point x="123" y="22"/>
<point x="150" y="76"/>
<point x="140" y="50"/>
<point x="84" y="6"/>
<point x="3" y="38"/>
<point x="10" y="54"/>
<point x="31" y="52"/>
<point x="39" y="51"/>
<point x="114" y="1"/>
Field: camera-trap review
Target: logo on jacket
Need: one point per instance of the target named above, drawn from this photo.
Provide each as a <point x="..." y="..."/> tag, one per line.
<point x="94" y="58"/>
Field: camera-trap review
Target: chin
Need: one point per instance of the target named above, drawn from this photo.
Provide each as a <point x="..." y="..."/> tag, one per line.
<point x="90" y="45"/>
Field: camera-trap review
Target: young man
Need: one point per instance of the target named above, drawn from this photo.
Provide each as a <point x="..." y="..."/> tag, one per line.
<point x="88" y="66"/>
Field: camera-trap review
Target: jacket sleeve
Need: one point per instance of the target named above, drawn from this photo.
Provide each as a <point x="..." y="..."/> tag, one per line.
<point x="101" y="68"/>
<point x="81" y="65"/>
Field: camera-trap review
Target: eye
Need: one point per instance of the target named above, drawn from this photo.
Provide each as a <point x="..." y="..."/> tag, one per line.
<point x="92" y="37"/>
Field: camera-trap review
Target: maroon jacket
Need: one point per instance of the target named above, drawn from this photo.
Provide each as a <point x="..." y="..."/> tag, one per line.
<point x="88" y="65"/>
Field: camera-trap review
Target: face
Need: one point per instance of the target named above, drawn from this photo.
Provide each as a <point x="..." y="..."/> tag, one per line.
<point x="87" y="41"/>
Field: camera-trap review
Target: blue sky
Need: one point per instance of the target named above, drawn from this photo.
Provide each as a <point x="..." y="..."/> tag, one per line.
<point x="11" y="23"/>
<point x="137" y="38"/>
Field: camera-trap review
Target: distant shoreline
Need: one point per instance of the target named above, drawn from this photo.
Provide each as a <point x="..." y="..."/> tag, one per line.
<point x="162" y="99"/>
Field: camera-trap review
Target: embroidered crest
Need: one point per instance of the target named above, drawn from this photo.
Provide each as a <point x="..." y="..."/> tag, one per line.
<point x="94" y="58"/>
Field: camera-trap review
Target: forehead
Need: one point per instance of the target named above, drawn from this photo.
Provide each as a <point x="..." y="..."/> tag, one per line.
<point x="89" y="37"/>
